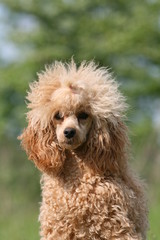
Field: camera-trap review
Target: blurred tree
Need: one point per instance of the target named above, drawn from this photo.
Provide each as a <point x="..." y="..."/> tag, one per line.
<point x="124" y="35"/>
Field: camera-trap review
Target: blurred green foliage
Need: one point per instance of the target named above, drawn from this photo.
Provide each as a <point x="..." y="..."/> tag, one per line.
<point x="124" y="35"/>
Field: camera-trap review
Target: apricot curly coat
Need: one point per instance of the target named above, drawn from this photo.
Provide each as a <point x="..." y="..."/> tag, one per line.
<point x="88" y="191"/>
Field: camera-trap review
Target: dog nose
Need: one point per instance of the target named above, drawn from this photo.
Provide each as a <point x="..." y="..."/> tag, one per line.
<point x="69" y="132"/>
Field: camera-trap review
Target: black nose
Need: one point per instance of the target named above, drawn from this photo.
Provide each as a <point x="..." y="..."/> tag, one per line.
<point x="69" y="132"/>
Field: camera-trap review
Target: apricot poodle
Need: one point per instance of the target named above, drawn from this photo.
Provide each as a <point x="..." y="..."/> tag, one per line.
<point x="77" y="137"/>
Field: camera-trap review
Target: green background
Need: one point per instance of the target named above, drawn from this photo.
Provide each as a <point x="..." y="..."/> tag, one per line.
<point x="123" y="35"/>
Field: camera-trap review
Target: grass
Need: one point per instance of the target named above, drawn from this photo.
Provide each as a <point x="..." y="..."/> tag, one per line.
<point x="20" y="195"/>
<point x="19" y="216"/>
<point x="21" y="224"/>
<point x="154" y="217"/>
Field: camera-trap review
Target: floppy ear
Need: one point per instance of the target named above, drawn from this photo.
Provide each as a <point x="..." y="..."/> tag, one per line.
<point x="108" y="145"/>
<point x="41" y="147"/>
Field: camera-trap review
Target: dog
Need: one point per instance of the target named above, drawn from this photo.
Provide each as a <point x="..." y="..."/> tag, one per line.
<point x="77" y="138"/>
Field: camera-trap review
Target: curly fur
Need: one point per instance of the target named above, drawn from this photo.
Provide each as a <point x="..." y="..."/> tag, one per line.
<point x="89" y="191"/>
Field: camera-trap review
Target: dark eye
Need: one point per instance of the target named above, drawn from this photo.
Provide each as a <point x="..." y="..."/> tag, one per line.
<point x="58" y="116"/>
<point x="82" y="115"/>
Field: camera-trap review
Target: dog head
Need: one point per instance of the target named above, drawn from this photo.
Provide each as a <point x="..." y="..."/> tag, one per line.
<point x="72" y="107"/>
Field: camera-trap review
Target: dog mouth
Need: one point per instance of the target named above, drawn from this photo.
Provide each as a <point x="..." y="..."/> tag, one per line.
<point x="70" y="144"/>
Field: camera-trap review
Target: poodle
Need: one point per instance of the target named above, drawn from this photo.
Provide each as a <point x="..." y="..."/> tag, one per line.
<point x="77" y="138"/>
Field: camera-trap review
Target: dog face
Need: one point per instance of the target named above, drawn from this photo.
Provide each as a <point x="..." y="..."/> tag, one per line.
<point x="72" y="129"/>
<point x="69" y="106"/>
<point x="72" y="119"/>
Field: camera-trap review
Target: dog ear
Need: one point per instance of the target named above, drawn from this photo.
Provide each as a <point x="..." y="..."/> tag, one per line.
<point x="108" y="145"/>
<point x="42" y="149"/>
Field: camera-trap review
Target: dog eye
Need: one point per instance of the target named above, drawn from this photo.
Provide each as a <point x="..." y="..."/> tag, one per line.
<point x="82" y="115"/>
<point x="58" y="116"/>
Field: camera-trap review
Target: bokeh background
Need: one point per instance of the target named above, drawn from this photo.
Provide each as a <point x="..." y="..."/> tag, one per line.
<point x="123" y="35"/>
